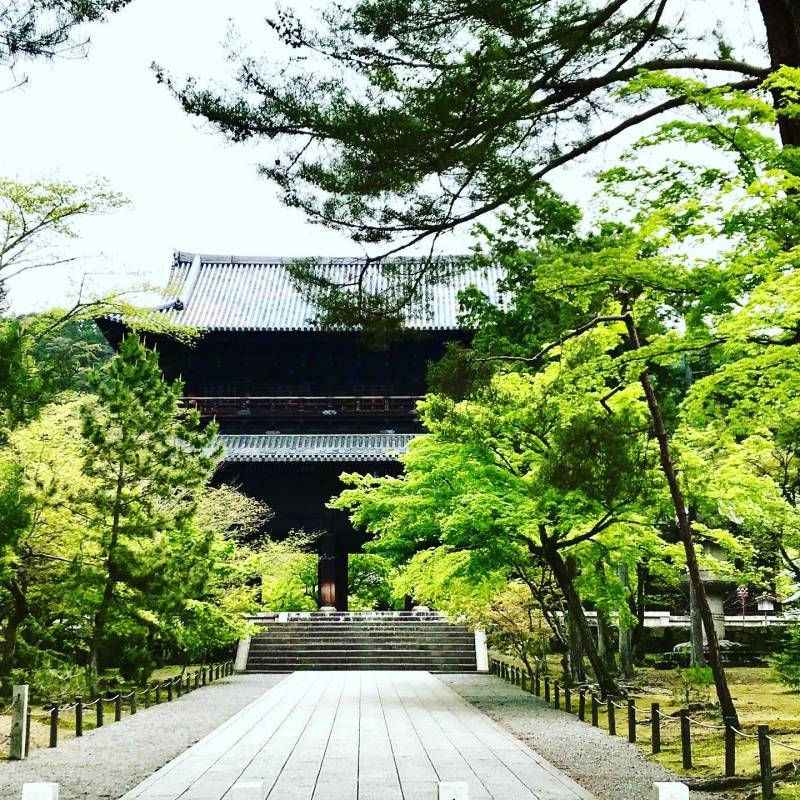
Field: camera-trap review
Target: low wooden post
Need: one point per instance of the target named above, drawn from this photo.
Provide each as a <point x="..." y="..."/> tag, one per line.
<point x="655" y="728"/>
<point x="595" y="711"/>
<point x="158" y="693"/>
<point x="133" y="701"/>
<point x="146" y="696"/>
<point x="54" y="726"/>
<point x="547" y="689"/>
<point x="196" y="679"/>
<point x="78" y="716"/>
<point x="537" y="685"/>
<point x="730" y="747"/>
<point x="217" y="677"/>
<point x="188" y="687"/>
<point x="612" y="717"/>
<point x="99" y="709"/>
<point x="567" y="700"/>
<point x="178" y="686"/>
<point x="20" y="722"/>
<point x="169" y="691"/>
<point x="203" y="676"/>
<point x="765" y="763"/>
<point x="632" y="720"/>
<point x="118" y="707"/>
<point x="556" y="694"/>
<point x="582" y="705"/>
<point x="686" y="738"/>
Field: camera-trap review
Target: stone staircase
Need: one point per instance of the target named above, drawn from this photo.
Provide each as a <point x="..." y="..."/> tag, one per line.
<point x="344" y="640"/>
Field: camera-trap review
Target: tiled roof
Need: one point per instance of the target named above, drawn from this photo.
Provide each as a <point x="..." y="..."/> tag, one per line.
<point x="231" y="293"/>
<point x="315" y="447"/>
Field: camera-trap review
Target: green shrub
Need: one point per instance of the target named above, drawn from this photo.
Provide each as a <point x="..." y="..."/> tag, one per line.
<point x="787" y="662"/>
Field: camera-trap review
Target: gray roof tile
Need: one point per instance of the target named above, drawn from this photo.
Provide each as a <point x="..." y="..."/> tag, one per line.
<point x="257" y="294"/>
<point x="315" y="447"/>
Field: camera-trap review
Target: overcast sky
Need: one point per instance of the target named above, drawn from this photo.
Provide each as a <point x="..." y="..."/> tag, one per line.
<point x="105" y="117"/>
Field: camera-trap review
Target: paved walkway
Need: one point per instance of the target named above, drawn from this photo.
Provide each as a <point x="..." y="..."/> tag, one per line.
<point x="359" y="736"/>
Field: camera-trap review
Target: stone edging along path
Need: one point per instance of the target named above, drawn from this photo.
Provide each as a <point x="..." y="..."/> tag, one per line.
<point x="120" y="756"/>
<point x="607" y="766"/>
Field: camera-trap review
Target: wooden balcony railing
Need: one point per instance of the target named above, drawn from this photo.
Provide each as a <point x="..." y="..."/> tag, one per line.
<point x="287" y="408"/>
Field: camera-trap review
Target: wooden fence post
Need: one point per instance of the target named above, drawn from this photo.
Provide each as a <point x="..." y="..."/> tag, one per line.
<point x="78" y="716"/>
<point x="730" y="747"/>
<point x="556" y="694"/>
<point x="582" y="705"/>
<point x="20" y="722"/>
<point x="567" y="700"/>
<point x="655" y="728"/>
<point x="547" y="689"/>
<point x="203" y="676"/>
<point x="118" y="707"/>
<point x="632" y="720"/>
<point x="612" y="717"/>
<point x="595" y="711"/>
<point x="196" y="679"/>
<point x="765" y="763"/>
<point x="99" y="711"/>
<point x="188" y="687"/>
<point x="158" y="693"/>
<point x="686" y="738"/>
<point x="54" y="726"/>
<point x="169" y="690"/>
<point x="178" y="686"/>
<point x="133" y="701"/>
<point x="537" y="685"/>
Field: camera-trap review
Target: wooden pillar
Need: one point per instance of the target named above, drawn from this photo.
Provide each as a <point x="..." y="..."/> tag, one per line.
<point x="340" y="577"/>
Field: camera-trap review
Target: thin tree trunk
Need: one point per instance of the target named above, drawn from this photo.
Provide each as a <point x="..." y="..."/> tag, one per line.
<point x="726" y="703"/>
<point x="577" y="671"/>
<point x="639" y="631"/>
<point x="563" y="575"/>
<point x="605" y="648"/>
<point x="101" y="615"/>
<point x="625" y="634"/>
<point x="698" y="656"/>
<point x="782" y="22"/>
<point x="15" y="619"/>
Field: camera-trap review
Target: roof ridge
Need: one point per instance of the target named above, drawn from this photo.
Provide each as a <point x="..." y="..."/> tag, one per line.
<point x="184" y="257"/>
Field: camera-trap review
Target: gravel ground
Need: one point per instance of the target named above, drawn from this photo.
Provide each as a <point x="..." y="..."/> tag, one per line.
<point x="108" y="762"/>
<point x="607" y="766"/>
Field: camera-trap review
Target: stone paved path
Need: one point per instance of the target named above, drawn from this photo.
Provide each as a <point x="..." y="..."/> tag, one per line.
<point x="107" y="762"/>
<point x="359" y="736"/>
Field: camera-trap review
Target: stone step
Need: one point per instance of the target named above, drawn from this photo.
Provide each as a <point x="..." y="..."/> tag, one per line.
<point x="426" y="664"/>
<point x="272" y="647"/>
<point x="285" y="636"/>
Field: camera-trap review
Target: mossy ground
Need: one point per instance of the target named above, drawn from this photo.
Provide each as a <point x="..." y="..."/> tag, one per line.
<point x="760" y="698"/>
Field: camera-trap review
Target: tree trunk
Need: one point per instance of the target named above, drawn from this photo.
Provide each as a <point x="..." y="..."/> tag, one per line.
<point x="625" y="635"/>
<point x="726" y="703"/>
<point x="15" y="619"/>
<point x="605" y="648"/>
<point x="98" y="628"/>
<point x="782" y="21"/>
<point x="577" y="671"/>
<point x="564" y="575"/>
<point x="639" y="631"/>
<point x="698" y="656"/>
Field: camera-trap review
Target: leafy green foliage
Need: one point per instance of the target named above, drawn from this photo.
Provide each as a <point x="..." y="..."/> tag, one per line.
<point x="787" y="662"/>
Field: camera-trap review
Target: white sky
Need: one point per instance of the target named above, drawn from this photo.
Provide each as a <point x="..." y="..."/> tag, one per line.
<point x="104" y="116"/>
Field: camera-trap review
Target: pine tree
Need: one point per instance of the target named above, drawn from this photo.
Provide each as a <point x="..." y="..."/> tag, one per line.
<point x="146" y="459"/>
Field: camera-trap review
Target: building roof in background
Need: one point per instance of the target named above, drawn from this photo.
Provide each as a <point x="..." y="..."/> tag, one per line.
<point x="233" y="293"/>
<point x="315" y="447"/>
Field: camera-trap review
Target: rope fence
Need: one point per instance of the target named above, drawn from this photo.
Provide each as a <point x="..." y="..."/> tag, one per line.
<point x="54" y="713"/>
<point x="657" y="721"/>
